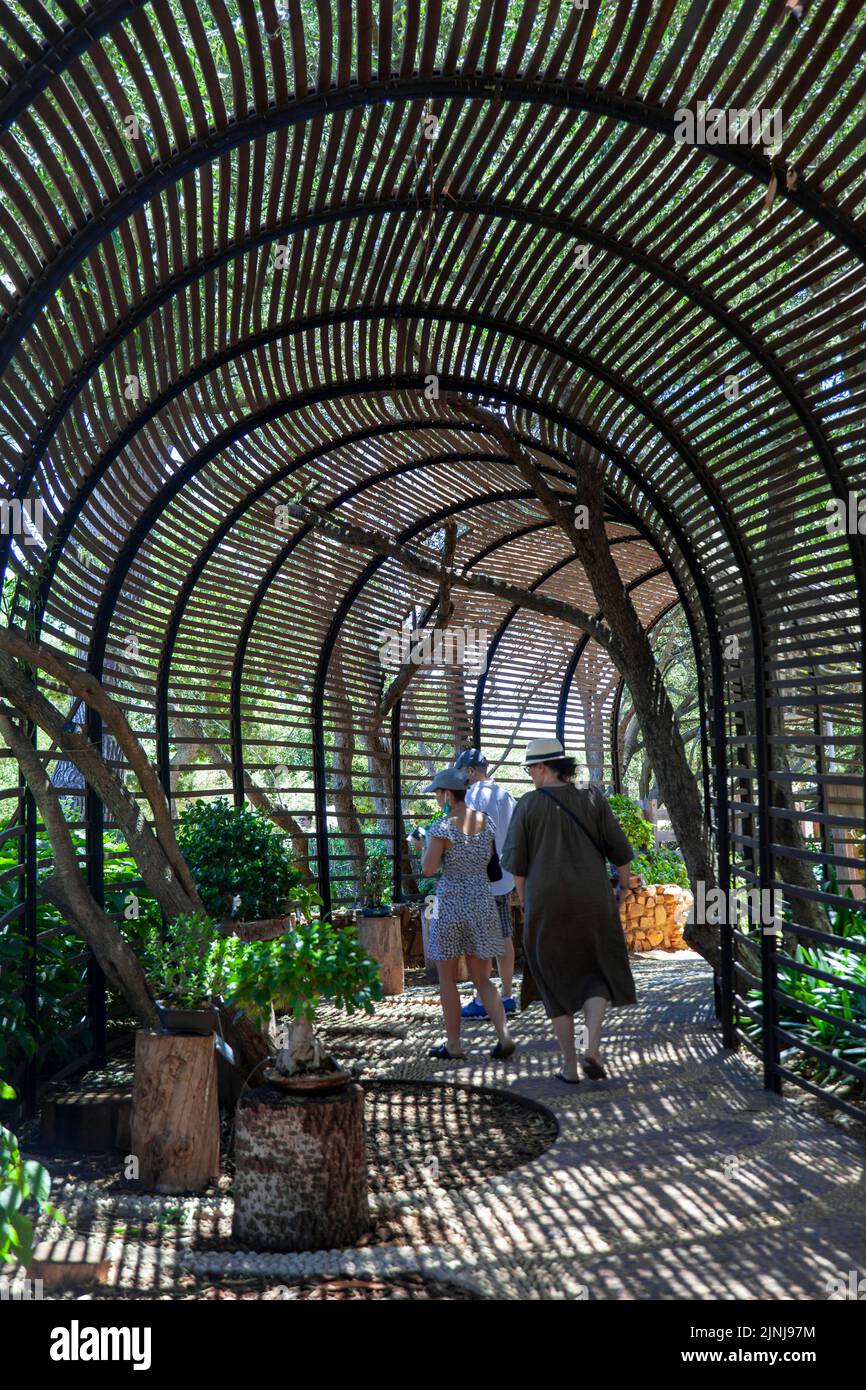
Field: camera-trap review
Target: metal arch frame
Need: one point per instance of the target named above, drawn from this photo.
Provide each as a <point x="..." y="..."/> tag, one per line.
<point x="335" y="317"/>
<point x="402" y="381"/>
<point x="126" y="556"/>
<point x="467" y="87"/>
<point x="179" y="609"/>
<point x="334" y="630"/>
<point x="285" y="551"/>
<point x="498" y="636"/>
<point x="317" y="701"/>
<point x="275" y="411"/>
<point x="174" y="484"/>
<point x="57" y="57"/>
<point x="823" y="448"/>
<point x="494" y="208"/>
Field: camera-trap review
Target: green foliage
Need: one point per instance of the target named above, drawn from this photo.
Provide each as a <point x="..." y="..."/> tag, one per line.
<point x="637" y="829"/>
<point x="61" y="966"/>
<point x="654" y="863"/>
<point x="21" y="1181"/>
<point x="310" y="963"/>
<point x="378" y="879"/>
<point x="662" y="864"/>
<point x="240" y="862"/>
<point x="187" y="962"/>
<point x="844" y="1004"/>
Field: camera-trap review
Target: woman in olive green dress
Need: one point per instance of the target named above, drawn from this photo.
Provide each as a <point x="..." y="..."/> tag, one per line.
<point x="558" y="845"/>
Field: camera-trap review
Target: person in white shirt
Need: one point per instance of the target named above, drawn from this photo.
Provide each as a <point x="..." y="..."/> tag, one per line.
<point x="483" y="794"/>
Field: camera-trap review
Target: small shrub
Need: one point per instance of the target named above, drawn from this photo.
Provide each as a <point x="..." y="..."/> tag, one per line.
<point x="186" y="962"/>
<point x="240" y="862"/>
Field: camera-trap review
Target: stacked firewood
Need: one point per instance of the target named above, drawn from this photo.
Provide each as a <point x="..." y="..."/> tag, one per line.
<point x="653" y="916"/>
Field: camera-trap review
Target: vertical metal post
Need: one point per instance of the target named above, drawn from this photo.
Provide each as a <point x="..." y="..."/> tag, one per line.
<point x="723" y="850"/>
<point x="95" y="851"/>
<point x="320" y="802"/>
<point x="769" y="964"/>
<point x="398" y="839"/>
<point x="28" y="891"/>
<point x="237" y="742"/>
<point x="163" y="749"/>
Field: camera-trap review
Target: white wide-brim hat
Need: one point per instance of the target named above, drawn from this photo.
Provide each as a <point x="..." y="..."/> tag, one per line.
<point x="541" y="750"/>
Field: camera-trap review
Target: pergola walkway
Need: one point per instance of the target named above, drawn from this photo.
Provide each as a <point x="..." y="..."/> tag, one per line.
<point x="679" y="1178"/>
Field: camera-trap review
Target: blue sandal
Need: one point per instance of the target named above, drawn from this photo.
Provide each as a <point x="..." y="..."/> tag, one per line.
<point x="442" y="1051"/>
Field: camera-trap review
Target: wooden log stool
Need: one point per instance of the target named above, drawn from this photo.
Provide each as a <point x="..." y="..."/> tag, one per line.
<point x="382" y="939"/>
<point x="175" y="1115"/>
<point x="300" y="1169"/>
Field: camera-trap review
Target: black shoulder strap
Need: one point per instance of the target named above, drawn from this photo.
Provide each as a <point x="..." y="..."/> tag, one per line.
<point x="572" y="816"/>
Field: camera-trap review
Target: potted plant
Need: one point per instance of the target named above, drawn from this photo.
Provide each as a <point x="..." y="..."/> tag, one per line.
<point x="377" y="885"/>
<point x="186" y="964"/>
<point x="294" y="973"/>
<point x="243" y="869"/>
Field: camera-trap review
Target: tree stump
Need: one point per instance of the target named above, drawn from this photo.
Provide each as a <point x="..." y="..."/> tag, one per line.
<point x="382" y="939"/>
<point x="300" y="1170"/>
<point x="175" y="1116"/>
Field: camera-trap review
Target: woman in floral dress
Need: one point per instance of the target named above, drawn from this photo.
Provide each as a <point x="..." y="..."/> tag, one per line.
<point x="464" y="920"/>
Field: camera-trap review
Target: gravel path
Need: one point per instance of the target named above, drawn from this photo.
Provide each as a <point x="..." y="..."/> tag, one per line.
<point x="677" y="1178"/>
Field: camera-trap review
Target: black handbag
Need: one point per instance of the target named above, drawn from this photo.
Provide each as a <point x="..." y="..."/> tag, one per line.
<point x="494" y="868"/>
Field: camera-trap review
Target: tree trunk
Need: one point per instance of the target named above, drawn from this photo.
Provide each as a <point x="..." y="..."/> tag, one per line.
<point x="88" y="688"/>
<point x="301" y="1170"/>
<point x="251" y="1045"/>
<point x="171" y="886"/>
<point x="663" y="741"/>
<point x="68" y="891"/>
<point x="175" y="1115"/>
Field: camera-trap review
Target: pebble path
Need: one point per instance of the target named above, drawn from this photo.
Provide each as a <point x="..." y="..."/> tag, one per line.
<point x="679" y="1177"/>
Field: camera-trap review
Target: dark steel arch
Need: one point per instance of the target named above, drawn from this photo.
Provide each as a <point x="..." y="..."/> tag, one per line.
<point x="466" y="87"/>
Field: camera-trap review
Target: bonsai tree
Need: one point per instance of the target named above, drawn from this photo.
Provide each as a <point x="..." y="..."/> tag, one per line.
<point x="240" y="863"/>
<point x="376" y="882"/>
<point x="294" y="973"/>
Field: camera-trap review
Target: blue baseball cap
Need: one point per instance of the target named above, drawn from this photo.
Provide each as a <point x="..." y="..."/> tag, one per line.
<point x="471" y="757"/>
<point x="449" y="780"/>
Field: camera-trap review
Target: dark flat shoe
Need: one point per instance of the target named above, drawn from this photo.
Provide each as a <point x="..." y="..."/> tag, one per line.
<point x="594" y="1070"/>
<point x="560" y="1076"/>
<point x="500" y="1052"/>
<point x="442" y="1051"/>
